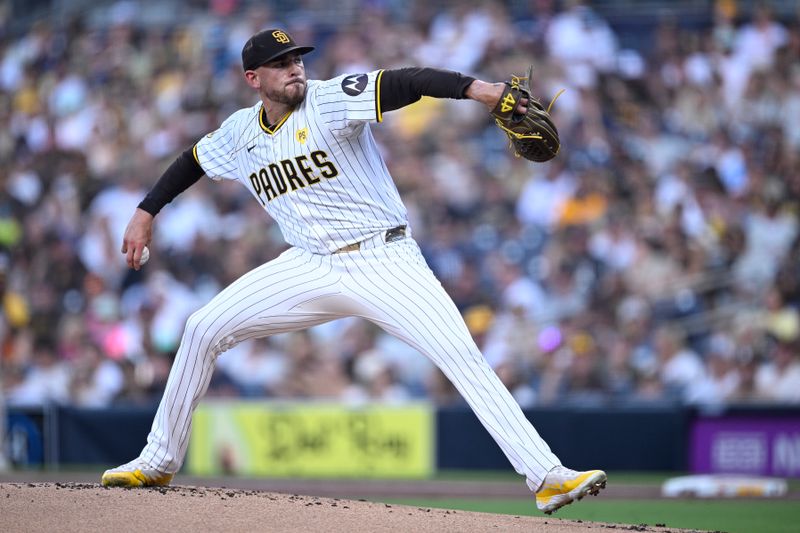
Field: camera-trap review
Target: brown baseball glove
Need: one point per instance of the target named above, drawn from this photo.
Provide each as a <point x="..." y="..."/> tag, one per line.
<point x="533" y="134"/>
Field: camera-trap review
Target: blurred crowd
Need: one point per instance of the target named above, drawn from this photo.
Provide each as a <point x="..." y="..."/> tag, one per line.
<point x="656" y="259"/>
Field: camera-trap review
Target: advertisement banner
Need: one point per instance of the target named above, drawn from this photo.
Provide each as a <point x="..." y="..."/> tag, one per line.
<point x="311" y="440"/>
<point x="747" y="445"/>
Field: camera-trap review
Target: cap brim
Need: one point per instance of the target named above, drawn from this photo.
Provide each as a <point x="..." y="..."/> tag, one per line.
<point x="301" y="49"/>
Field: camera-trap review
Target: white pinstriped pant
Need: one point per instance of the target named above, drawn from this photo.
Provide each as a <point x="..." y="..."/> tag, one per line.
<point x="390" y="285"/>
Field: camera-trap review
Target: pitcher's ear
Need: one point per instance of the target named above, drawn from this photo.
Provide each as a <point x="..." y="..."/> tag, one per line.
<point x="252" y="79"/>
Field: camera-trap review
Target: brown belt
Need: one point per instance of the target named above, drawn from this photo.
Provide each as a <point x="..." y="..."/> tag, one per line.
<point x="391" y="235"/>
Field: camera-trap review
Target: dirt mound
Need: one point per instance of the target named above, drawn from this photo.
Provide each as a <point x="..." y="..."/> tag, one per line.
<point x="85" y="507"/>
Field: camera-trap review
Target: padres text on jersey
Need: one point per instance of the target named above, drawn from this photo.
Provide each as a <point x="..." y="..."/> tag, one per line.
<point x="317" y="171"/>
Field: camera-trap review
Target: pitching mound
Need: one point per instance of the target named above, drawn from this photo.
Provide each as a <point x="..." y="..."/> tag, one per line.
<point x="83" y="507"/>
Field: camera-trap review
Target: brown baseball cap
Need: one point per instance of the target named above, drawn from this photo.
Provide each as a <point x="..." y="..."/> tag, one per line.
<point x="267" y="45"/>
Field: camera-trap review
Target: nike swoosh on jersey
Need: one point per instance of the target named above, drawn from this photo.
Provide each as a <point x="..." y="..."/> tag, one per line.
<point x="249" y="148"/>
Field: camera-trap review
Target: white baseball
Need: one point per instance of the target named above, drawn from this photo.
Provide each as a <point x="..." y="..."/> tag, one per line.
<point x="145" y="255"/>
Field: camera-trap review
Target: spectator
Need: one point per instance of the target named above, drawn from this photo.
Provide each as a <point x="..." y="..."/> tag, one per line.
<point x="254" y="366"/>
<point x="778" y="379"/>
<point x="721" y="380"/>
<point x="96" y="380"/>
<point x="679" y="366"/>
<point x="375" y="381"/>
<point x="46" y="380"/>
<point x="756" y="42"/>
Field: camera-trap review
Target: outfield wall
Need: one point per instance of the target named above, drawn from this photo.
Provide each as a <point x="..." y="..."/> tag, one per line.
<point x="286" y="439"/>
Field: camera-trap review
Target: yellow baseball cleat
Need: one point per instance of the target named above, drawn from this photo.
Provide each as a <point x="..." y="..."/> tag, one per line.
<point x="137" y="473"/>
<point x="563" y="486"/>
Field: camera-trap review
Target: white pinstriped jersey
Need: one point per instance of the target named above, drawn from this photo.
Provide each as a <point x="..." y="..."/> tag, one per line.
<point x="317" y="171"/>
<point x="319" y="174"/>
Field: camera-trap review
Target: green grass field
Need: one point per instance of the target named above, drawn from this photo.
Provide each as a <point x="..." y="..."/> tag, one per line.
<point x="731" y="516"/>
<point x="741" y="516"/>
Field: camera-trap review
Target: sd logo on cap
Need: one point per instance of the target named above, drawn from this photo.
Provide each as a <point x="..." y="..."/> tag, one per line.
<point x="267" y="45"/>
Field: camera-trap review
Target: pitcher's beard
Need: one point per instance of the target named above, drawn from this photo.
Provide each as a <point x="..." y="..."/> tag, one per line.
<point x="290" y="95"/>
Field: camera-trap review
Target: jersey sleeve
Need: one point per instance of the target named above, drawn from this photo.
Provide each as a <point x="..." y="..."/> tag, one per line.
<point x="216" y="152"/>
<point x="348" y="101"/>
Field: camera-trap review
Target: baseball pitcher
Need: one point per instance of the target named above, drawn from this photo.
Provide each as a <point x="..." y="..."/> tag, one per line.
<point x="306" y="153"/>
